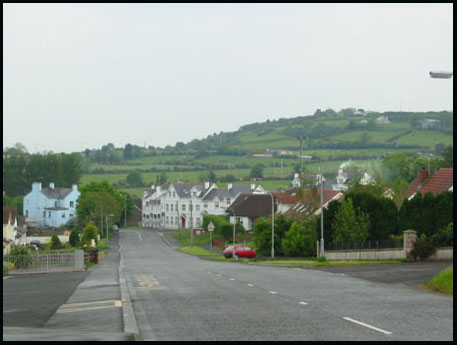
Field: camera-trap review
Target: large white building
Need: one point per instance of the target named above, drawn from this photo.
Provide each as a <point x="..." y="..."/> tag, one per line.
<point x="183" y="205"/>
<point x="51" y="206"/>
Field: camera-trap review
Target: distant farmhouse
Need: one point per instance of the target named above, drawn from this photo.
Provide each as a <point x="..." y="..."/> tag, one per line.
<point x="51" y="206"/>
<point x="428" y="124"/>
<point x="345" y="175"/>
<point x="382" y="119"/>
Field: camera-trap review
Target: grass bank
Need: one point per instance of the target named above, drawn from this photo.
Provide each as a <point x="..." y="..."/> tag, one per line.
<point x="442" y="282"/>
<point x="195" y="250"/>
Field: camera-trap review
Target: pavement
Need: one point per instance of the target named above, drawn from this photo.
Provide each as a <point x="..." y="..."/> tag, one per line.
<point x="82" y="305"/>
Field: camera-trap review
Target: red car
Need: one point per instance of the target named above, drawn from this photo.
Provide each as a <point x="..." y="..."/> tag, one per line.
<point x="241" y="251"/>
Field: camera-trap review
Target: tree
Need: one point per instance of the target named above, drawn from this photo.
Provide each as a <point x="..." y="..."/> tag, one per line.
<point x="256" y="171"/>
<point x="300" y="240"/>
<point x="134" y="179"/>
<point x="329" y="217"/>
<point x="364" y="139"/>
<point x="90" y="232"/>
<point x="212" y="176"/>
<point x="74" y="238"/>
<point x="448" y="156"/>
<point x="262" y="231"/>
<point x="55" y="243"/>
<point x="347" y="226"/>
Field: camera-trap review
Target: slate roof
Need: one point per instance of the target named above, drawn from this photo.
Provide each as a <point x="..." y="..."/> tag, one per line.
<point x="251" y="205"/>
<point x="300" y="208"/>
<point x="228" y="193"/>
<point x="183" y="189"/>
<point x="56" y="193"/>
<point x="7" y="210"/>
<point x="440" y="182"/>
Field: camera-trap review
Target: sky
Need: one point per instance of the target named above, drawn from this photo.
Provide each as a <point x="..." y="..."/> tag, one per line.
<point x="79" y="76"/>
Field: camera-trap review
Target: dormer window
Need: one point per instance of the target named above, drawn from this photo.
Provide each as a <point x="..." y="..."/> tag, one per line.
<point x="174" y="194"/>
<point x="55" y="203"/>
<point x="194" y="194"/>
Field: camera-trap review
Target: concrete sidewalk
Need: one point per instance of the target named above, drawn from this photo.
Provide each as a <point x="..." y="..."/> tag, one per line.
<point x="93" y="312"/>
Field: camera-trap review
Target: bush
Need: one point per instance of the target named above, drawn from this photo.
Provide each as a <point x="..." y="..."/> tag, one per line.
<point x="89" y="232"/>
<point x="74" y="238"/>
<point x="55" y="243"/>
<point x="19" y="250"/>
<point x="300" y="240"/>
<point x="7" y="266"/>
<point x="444" y="237"/>
<point x="422" y="249"/>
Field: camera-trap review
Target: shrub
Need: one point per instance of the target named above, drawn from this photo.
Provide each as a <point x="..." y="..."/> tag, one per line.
<point x="74" y="238"/>
<point x="422" y="249"/>
<point x="89" y="232"/>
<point x="55" y="243"/>
<point x="444" y="237"/>
<point x="300" y="240"/>
<point x="19" y="250"/>
<point x="7" y="266"/>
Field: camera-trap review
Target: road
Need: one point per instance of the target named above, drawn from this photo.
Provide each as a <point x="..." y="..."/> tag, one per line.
<point x="180" y="297"/>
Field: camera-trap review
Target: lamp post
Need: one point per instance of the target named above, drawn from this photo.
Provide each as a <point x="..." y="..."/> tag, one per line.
<point x="125" y="212"/>
<point x="322" y="253"/>
<point x="234" y="223"/>
<point x="272" y="226"/>
<point x="107" y="228"/>
<point x="210" y="229"/>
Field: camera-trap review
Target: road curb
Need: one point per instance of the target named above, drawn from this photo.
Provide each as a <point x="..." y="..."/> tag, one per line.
<point x="128" y="314"/>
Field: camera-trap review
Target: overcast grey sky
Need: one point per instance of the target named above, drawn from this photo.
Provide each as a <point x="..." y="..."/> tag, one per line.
<point x="83" y="75"/>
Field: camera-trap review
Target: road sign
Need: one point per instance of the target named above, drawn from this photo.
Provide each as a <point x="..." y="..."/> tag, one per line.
<point x="210" y="226"/>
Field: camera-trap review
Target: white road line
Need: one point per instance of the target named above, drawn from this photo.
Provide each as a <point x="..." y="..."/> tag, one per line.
<point x="140" y="237"/>
<point x="250" y="284"/>
<point x="232" y="278"/>
<point x="219" y="275"/>
<point x="273" y="292"/>
<point x="304" y="303"/>
<point x="365" y="325"/>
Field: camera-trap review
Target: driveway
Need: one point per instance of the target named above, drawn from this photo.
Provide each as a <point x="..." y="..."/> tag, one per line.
<point x="410" y="274"/>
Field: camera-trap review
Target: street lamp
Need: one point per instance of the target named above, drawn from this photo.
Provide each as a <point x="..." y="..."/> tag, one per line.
<point x="107" y="229"/>
<point x="234" y="223"/>
<point x="322" y="254"/>
<point x="272" y="226"/>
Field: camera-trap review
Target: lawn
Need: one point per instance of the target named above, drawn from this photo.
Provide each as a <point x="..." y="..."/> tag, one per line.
<point x="442" y="282"/>
<point x="195" y="250"/>
<point x="426" y="138"/>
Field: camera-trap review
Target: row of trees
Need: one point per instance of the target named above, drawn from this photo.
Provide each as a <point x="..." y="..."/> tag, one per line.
<point x="20" y="171"/>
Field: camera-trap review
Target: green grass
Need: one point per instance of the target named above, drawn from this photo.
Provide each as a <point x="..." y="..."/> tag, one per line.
<point x="195" y="250"/>
<point x="426" y="138"/>
<point x="442" y="282"/>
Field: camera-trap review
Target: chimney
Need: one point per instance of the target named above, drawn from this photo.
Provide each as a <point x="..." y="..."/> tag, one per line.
<point x="74" y="187"/>
<point x="51" y="185"/>
<point x="36" y="186"/>
<point x="229" y="186"/>
<point x="206" y="185"/>
<point x="423" y="175"/>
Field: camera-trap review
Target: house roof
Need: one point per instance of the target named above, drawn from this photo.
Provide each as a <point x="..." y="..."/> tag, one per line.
<point x="251" y="205"/>
<point x="300" y="208"/>
<point x="440" y="182"/>
<point x="183" y="189"/>
<point x="286" y="199"/>
<point x="228" y="193"/>
<point x="7" y="211"/>
<point x="56" y="193"/>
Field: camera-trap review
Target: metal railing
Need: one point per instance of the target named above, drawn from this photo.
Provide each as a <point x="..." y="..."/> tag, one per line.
<point x="379" y="244"/>
<point x="46" y="262"/>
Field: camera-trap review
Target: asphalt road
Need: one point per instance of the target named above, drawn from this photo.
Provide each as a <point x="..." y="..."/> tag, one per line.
<point x="180" y="297"/>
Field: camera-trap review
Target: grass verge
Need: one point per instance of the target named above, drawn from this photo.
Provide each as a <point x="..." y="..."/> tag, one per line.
<point x="442" y="282"/>
<point x="195" y="250"/>
<point x="300" y="263"/>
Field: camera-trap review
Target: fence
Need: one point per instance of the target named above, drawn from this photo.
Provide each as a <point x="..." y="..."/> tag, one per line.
<point x="46" y="262"/>
<point x="380" y="244"/>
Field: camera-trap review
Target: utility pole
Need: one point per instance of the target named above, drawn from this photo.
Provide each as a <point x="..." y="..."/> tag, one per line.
<point x="125" y="214"/>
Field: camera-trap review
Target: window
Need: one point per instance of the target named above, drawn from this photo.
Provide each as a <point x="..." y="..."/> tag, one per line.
<point x="171" y="207"/>
<point x="198" y="221"/>
<point x="49" y="214"/>
<point x="194" y="194"/>
<point x="174" y="194"/>
<point x="169" y="193"/>
<point x="205" y="205"/>
<point x="183" y="207"/>
<point x="167" y="207"/>
<point x="55" y="203"/>
<point x="166" y="220"/>
<point x="26" y="213"/>
<point x="216" y="204"/>
<point x="71" y="215"/>
<point x="228" y="201"/>
<point x="63" y="215"/>
<point x="197" y="207"/>
<point x="71" y="203"/>
<point x="44" y="214"/>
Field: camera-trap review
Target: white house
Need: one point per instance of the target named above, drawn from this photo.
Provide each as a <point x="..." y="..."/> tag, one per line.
<point x="51" y="206"/>
<point x="183" y="205"/>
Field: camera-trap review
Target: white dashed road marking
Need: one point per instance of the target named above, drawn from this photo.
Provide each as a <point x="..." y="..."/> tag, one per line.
<point x="303" y="303"/>
<point x="273" y="292"/>
<point x="250" y="284"/>
<point x="232" y="278"/>
<point x="366" y="325"/>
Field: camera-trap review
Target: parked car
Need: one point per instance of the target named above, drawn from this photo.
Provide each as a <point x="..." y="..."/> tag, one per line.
<point x="241" y="251"/>
<point x="35" y="243"/>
